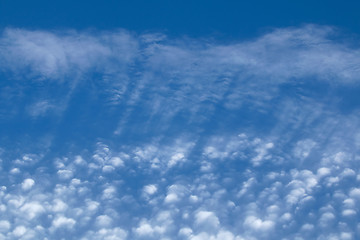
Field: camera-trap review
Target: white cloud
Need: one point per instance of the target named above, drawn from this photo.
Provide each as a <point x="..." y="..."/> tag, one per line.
<point x="27" y="184"/>
<point x="62" y="222"/>
<point x="207" y="219"/>
<point x="307" y="227"/>
<point x="32" y="210"/>
<point x="117" y="162"/>
<point x="303" y="148"/>
<point x="176" y="158"/>
<point x="326" y="219"/>
<point x="355" y="193"/>
<point x="225" y="235"/>
<point x="92" y="206"/>
<point x="65" y="174"/>
<point x="19" y="231"/>
<point x="349" y="203"/>
<point x="321" y="172"/>
<point x="346" y="236"/>
<point x="40" y="108"/>
<point x="103" y="221"/>
<point x="53" y="55"/>
<point x="165" y="157"/>
<point x="15" y="171"/>
<point x="175" y="193"/>
<point x="4" y="226"/>
<point x="258" y="224"/>
<point x="108" y="169"/>
<point x="107" y="234"/>
<point x="171" y="198"/>
<point x="185" y="232"/>
<point x="262" y="153"/>
<point x="150" y="189"/>
<point x="348" y="213"/>
<point x="109" y="192"/>
<point x="28" y="159"/>
<point x="144" y="229"/>
<point x="59" y="206"/>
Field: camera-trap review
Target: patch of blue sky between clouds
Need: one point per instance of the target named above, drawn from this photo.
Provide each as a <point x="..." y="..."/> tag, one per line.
<point x="116" y="135"/>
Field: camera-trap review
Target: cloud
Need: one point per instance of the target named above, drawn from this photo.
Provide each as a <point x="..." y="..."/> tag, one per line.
<point x="144" y="229"/>
<point x="258" y="224"/>
<point x="164" y="138"/>
<point x="32" y="209"/>
<point x="63" y="222"/>
<point x="27" y="184"/>
<point x="59" y="206"/>
<point x="109" y="192"/>
<point x="40" y="108"/>
<point x="150" y="189"/>
<point x="65" y="174"/>
<point x="103" y="221"/>
<point x="207" y="219"/>
<point x="19" y="231"/>
<point x="238" y="76"/>
<point x="4" y="226"/>
<point x="55" y="55"/>
<point x="108" y="234"/>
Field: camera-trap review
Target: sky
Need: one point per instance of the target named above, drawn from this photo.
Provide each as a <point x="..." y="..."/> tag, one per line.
<point x="196" y="120"/>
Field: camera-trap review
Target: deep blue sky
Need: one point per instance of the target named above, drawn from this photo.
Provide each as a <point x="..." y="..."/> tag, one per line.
<point x="219" y="19"/>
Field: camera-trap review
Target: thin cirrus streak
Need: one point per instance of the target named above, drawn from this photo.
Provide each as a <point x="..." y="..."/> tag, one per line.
<point x="116" y="135"/>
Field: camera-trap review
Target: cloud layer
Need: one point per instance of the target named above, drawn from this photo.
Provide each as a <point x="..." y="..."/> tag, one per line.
<point x="116" y="135"/>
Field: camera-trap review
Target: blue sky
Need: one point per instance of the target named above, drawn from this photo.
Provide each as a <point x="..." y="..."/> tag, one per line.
<point x="205" y="120"/>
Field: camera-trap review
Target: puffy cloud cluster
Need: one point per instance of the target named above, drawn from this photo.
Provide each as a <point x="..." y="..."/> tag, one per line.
<point x="234" y="199"/>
